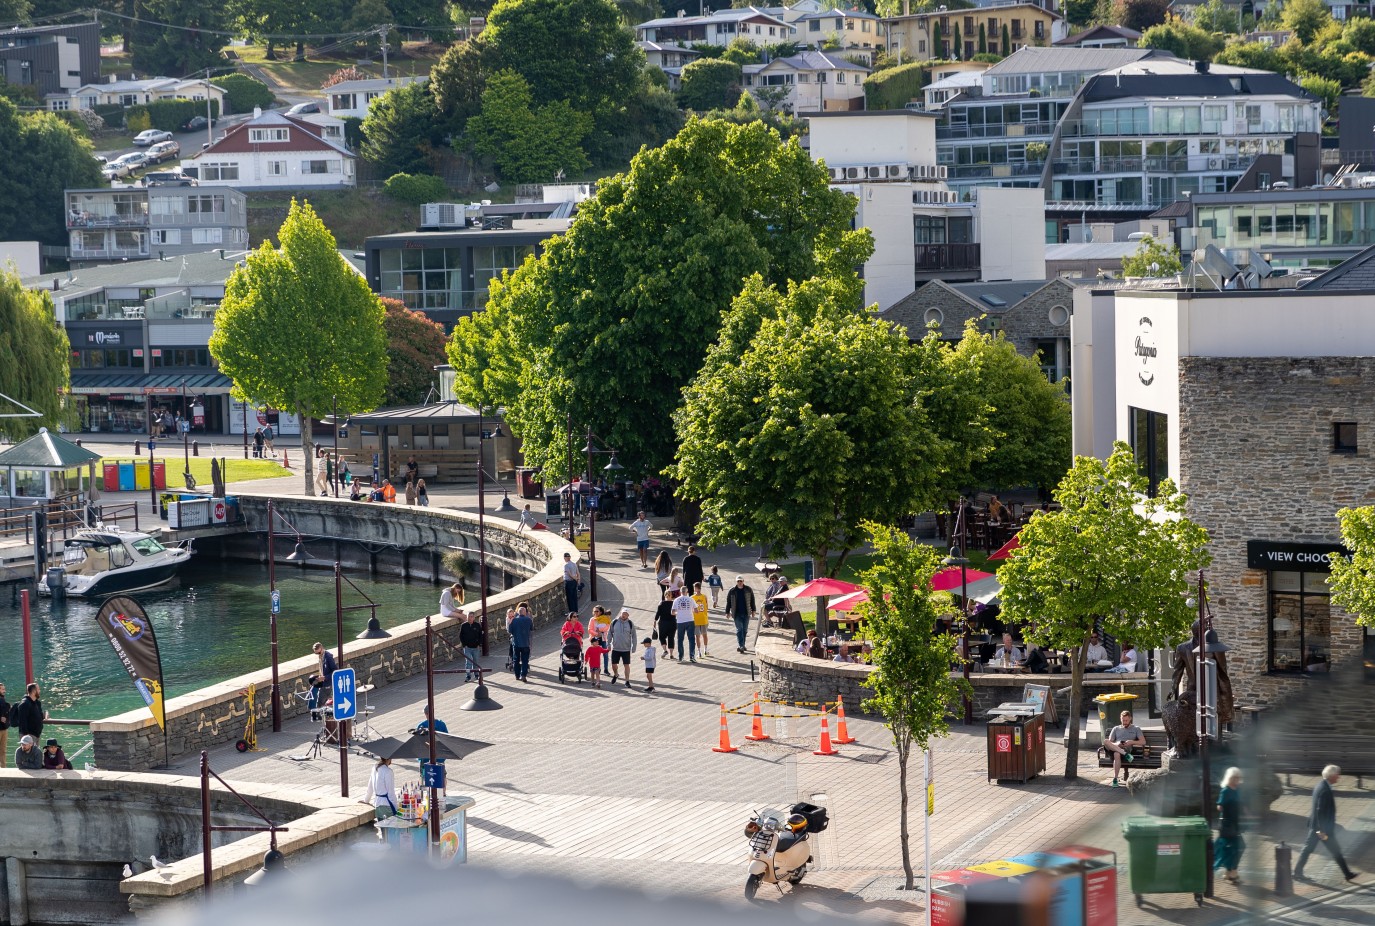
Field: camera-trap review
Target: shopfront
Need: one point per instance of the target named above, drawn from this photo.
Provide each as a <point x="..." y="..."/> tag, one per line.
<point x="1298" y="612"/>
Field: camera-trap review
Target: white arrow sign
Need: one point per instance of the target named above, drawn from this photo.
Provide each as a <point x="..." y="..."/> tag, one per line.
<point x="343" y="706"/>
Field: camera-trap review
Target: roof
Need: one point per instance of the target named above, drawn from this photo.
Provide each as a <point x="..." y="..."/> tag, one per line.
<point x="1034" y="59"/>
<point x="1168" y="76"/>
<point x="416" y="414"/>
<point x="957" y="81"/>
<point x="667" y="46"/>
<point x="1000" y="6"/>
<point x="841" y="14"/>
<point x="372" y="83"/>
<point x="1106" y="31"/>
<point x="814" y="61"/>
<point x="870" y="113"/>
<point x="1355" y="274"/>
<point x="1179" y="209"/>
<point x="989" y="298"/>
<point x="997" y="297"/>
<point x="46" y="450"/>
<point x="728" y="15"/>
<point x="196" y="383"/>
<point x="305" y="136"/>
<point x="203" y="269"/>
<point x="132" y="86"/>
<point x="1092" y="250"/>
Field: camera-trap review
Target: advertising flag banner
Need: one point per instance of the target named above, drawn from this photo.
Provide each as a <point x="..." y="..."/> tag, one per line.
<point x="130" y="632"/>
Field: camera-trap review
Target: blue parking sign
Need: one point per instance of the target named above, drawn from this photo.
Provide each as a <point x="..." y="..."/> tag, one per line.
<point x="432" y="775"/>
<point x="345" y="707"/>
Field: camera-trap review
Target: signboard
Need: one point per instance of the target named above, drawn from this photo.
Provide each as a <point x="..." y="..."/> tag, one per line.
<point x="130" y="632"/>
<point x="1100" y="897"/>
<point x="283" y="423"/>
<point x="431" y="776"/>
<point x="276" y="601"/>
<point x="1144" y="348"/>
<point x="1292" y="557"/>
<point x="1004" y="742"/>
<point x="345" y="707"/>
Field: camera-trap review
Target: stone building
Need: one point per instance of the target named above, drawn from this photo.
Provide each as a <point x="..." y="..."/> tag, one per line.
<point x="1033" y="314"/>
<point x="1261" y="406"/>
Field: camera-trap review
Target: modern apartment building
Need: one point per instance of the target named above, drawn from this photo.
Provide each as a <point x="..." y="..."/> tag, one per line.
<point x="719" y="27"/>
<point x="51" y="59"/>
<point x="138" y="223"/>
<point x="1304" y="229"/>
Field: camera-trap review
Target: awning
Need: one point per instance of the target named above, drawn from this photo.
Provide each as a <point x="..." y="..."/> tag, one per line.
<point x="150" y="383"/>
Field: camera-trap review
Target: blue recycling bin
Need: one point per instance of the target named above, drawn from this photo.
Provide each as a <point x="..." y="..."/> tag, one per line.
<point x="127" y="477"/>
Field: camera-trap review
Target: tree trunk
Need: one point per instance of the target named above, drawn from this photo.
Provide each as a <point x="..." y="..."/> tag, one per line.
<point x="1076" y="695"/>
<point x="904" y="751"/>
<point x="307" y="450"/>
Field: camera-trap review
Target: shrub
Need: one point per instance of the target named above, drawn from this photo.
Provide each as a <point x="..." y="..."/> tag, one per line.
<point x="135" y="122"/>
<point x="896" y="87"/>
<point x="341" y="75"/>
<point x="170" y="115"/>
<point x="242" y="92"/>
<point x="415" y="188"/>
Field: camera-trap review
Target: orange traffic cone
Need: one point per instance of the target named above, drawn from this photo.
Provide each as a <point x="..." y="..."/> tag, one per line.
<point x="757" y="733"/>
<point x="725" y="735"/>
<point x="842" y="735"/>
<point x="824" y="749"/>
<point x="286" y="460"/>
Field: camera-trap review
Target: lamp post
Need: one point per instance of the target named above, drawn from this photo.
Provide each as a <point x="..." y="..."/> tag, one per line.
<point x="1206" y="643"/>
<point x="956" y="558"/>
<point x="299" y="555"/>
<point x="373" y="625"/>
<point x="483" y="437"/>
<point x="334" y="468"/>
<point x="186" y="437"/>
<point x="593" y="509"/>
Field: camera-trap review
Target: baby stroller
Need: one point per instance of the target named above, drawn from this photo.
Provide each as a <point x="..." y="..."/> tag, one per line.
<point x="570" y="660"/>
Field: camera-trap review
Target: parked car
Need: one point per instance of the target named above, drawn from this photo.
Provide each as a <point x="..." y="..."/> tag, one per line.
<point x="115" y="170"/>
<point x="168" y="178"/>
<point x="163" y="151"/>
<point x="99" y="159"/>
<point x="194" y="124"/>
<point x="301" y="109"/>
<point x="134" y="160"/>
<point x="151" y="137"/>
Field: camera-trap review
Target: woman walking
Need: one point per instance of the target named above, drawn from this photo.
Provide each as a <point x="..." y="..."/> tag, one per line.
<point x="666" y="623"/>
<point x="663" y="568"/>
<point x="1229" y="845"/>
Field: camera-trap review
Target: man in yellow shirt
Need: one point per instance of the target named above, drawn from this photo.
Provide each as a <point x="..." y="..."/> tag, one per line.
<point x="700" y="617"/>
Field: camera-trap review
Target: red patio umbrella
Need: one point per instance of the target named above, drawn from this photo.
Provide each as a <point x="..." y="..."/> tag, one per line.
<point x="820" y="588"/>
<point x="1006" y="549"/>
<point x="950" y="579"/>
<point x="849" y="602"/>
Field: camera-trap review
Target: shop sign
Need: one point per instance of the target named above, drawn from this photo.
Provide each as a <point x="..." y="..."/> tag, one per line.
<point x="1145" y="350"/>
<point x="104" y="338"/>
<point x="1292" y="557"/>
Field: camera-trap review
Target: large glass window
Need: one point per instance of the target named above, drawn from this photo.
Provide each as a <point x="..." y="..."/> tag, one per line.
<point x="1150" y="440"/>
<point x="1300" y="625"/>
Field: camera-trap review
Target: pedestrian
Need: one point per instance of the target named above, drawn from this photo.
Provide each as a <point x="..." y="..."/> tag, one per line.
<point x="675" y="581"/>
<point x="321" y="478"/>
<point x="258" y="441"/>
<point x="686" y="628"/>
<point x="571" y="578"/>
<point x="701" y="617"/>
<point x="622" y="642"/>
<point x="268" y="436"/>
<point x="692" y="568"/>
<point x="740" y="606"/>
<point x="54" y="759"/>
<point x="651" y="659"/>
<point x="410" y="491"/>
<point x="1322" y="824"/>
<point x="527" y="519"/>
<point x="451" y="598"/>
<point x="596" y="652"/>
<point x="572" y="627"/>
<point x="1228" y="847"/>
<point x="470" y="638"/>
<point x="522" y="630"/>
<point x="641" y="528"/>
<point x="510" y="646"/>
<point x="422" y="494"/>
<point x="27" y="716"/>
<point x="321" y="680"/>
<point x="716" y="585"/>
<point x="28" y="756"/>
<point x="4" y="726"/>
<point x="412" y="469"/>
<point x="663" y="568"/>
<point x="665" y="624"/>
<point x="382" y="791"/>
<point x="599" y="625"/>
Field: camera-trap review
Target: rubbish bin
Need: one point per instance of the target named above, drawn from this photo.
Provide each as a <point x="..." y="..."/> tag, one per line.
<point x="165" y="499"/>
<point x="1167" y="855"/>
<point x="126" y="477"/>
<point x="1110" y="707"/>
<point x="1012" y="747"/>
<point x="528" y="484"/>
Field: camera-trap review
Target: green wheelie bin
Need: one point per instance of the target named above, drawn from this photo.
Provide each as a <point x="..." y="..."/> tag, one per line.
<point x="1167" y="855"/>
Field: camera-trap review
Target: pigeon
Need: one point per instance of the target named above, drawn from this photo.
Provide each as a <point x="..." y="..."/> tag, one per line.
<point x="157" y="862"/>
<point x="128" y="870"/>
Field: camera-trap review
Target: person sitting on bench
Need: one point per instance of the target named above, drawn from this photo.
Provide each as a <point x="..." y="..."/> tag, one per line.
<point x="1119" y="744"/>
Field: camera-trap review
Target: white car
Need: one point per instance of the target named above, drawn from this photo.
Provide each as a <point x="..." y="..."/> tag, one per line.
<point x="115" y="170"/>
<point x="151" y="137"/>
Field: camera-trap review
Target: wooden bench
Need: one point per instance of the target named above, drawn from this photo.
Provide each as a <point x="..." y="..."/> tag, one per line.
<point x="1307" y="754"/>
<point x="1148" y="756"/>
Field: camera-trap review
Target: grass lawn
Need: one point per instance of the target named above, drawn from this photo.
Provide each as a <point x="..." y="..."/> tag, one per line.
<point x="307" y="76"/>
<point x="352" y="215"/>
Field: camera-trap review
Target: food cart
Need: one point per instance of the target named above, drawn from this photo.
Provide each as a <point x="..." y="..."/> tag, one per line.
<point x="409" y="831"/>
<point x="1075" y="885"/>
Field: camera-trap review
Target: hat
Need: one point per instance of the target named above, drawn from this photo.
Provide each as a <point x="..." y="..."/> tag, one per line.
<point x="739" y="578"/>
<point x="646" y="641"/>
<point x="26" y="741"/>
<point x="52" y="742"/>
<point x="625" y="612"/>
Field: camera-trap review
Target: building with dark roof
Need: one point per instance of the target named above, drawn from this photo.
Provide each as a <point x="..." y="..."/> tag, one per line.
<point x="275" y="151"/>
<point x="54" y="59"/>
<point x="1104" y="35"/>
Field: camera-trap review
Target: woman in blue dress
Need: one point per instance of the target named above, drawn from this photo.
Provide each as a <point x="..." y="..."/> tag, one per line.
<point x="1229" y="846"/>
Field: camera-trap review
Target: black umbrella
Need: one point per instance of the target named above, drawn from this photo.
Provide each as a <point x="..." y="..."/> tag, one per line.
<point x="417" y="746"/>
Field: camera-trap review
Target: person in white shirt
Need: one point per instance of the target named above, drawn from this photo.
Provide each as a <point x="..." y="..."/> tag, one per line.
<point x="682" y="614"/>
<point x="1128" y="661"/>
<point x="1097" y="653"/>
<point x="1007" y="653"/>
<point x="571" y="579"/>
<point x="382" y="790"/>
<point x="641" y="528"/>
<point x="527" y="519"/>
<point x="450" y="599"/>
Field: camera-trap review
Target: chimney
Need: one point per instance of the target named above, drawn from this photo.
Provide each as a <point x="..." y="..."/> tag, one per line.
<point x="906" y="7"/>
<point x="1201" y="66"/>
<point x="257" y="112"/>
<point x="113" y="78"/>
<point x="56" y="285"/>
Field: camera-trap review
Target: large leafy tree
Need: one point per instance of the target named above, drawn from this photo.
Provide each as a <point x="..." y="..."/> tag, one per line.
<point x="403" y="130"/>
<point x="193" y="45"/>
<point x="912" y="683"/>
<point x="711" y="83"/>
<point x="1353" y="580"/>
<point x="415" y="346"/>
<point x="1111" y="557"/>
<point x="1306" y="18"/>
<point x="299" y="328"/>
<point x="525" y="143"/>
<point x="43" y="157"/>
<point x="613" y="319"/>
<point x="33" y="360"/>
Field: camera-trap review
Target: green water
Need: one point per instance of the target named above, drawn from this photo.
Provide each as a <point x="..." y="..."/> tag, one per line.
<point x="211" y="624"/>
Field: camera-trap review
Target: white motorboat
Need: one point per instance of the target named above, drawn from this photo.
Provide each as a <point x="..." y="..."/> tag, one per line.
<point x="105" y="561"/>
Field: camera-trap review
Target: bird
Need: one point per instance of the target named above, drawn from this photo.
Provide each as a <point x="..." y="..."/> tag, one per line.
<point x="156" y="862"/>
<point x="128" y="870"/>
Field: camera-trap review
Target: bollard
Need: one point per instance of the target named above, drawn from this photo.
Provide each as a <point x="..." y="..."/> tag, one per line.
<point x="136" y="448"/>
<point x="195" y="448"/>
<point x="1284" y="870"/>
<point x="78" y="442"/>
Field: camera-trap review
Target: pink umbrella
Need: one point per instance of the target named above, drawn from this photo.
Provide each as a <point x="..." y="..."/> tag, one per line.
<point x="1006" y="549"/>
<point x="950" y="579"/>
<point x="820" y="588"/>
<point x="849" y="602"/>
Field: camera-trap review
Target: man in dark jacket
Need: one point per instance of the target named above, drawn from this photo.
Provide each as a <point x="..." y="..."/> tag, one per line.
<point x="1322" y="824"/>
<point x="27" y="716"/>
<point x="4" y="726"/>
<point x="470" y="638"/>
<point x="740" y="606"/>
<point x="692" y="569"/>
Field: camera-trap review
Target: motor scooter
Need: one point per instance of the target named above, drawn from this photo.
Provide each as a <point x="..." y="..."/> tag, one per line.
<point x="780" y="845"/>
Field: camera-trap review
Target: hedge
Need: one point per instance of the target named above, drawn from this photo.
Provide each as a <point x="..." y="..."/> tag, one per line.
<point x="895" y="87"/>
<point x="170" y="115"/>
<point x="242" y="92"/>
<point x="416" y="189"/>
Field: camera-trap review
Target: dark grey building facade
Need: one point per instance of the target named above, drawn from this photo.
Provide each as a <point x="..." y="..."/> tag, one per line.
<point x="51" y="59"/>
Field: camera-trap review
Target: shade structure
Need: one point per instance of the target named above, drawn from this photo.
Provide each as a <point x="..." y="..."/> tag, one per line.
<point x="849" y="602"/>
<point x="820" y="588"/>
<point x="985" y="591"/>
<point x="1006" y="549"/>
<point x="950" y="580"/>
<point x="417" y="746"/>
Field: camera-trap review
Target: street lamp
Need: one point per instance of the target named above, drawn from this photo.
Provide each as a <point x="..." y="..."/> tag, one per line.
<point x="374" y="631"/>
<point x="299" y="555"/>
<point x="956" y="558"/>
<point x="593" y="508"/>
<point x="334" y="467"/>
<point x="1206" y="644"/>
<point x="482" y="437"/>
<point x="186" y="438"/>
<point x="339" y="609"/>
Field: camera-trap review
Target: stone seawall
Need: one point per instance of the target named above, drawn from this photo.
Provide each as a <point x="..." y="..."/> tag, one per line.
<point x="216" y="714"/>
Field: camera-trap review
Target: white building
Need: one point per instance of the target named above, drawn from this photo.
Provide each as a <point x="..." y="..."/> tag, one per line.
<point x="669" y="58"/>
<point x="274" y="151"/>
<point x="814" y="81"/>
<point x="720" y="27"/>
<point x="355" y="97"/>
<point x="128" y="93"/>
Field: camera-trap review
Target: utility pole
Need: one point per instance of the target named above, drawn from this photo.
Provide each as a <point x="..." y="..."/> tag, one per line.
<point x="385" y="72"/>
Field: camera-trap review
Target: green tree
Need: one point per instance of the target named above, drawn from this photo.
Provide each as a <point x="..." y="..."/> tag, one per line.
<point x="742" y="51"/>
<point x="298" y="328"/>
<point x="937" y="41"/>
<point x="1152" y="259"/>
<point x="458" y="80"/>
<point x="957" y="46"/>
<point x="1329" y="91"/>
<point x="709" y="84"/>
<point x="1215" y="16"/>
<point x="1306" y="18"/>
<point x="1256" y="55"/>
<point x="1353" y="579"/>
<point x="613" y="319"/>
<point x="194" y="43"/>
<point x="1005" y="48"/>
<point x="982" y="46"/>
<point x="415" y="345"/>
<point x="1182" y="40"/>
<point x="33" y="360"/>
<point x="1141" y="14"/>
<point x="1080" y="12"/>
<point x="912" y="683"/>
<point x="416" y="189"/>
<point x="526" y="144"/>
<point x="43" y="157"/>
<point x="1112" y="559"/>
<point x="12" y="11"/>
<point x="403" y="130"/>
<point x="1360" y="33"/>
<point x="242" y="92"/>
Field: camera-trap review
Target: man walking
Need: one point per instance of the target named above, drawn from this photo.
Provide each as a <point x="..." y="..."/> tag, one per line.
<point x="522" y="629"/>
<point x="4" y="726"/>
<point x="682" y="614"/>
<point x="470" y="638"/>
<point x="571" y="578"/>
<point x="641" y="527"/>
<point x="740" y="606"/>
<point x="622" y="644"/>
<point x="268" y="436"/>
<point x="692" y="569"/>
<point x="1322" y="824"/>
<point x="28" y="715"/>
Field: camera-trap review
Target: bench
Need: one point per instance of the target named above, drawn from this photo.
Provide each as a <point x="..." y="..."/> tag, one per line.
<point x="1307" y="754"/>
<point x="1148" y="756"/>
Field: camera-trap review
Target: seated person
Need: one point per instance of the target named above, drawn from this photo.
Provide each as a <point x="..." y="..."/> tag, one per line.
<point x="1036" y="660"/>
<point x="805" y="646"/>
<point x="1119" y="743"/>
<point x="1007" y="653"/>
<point x="818" y="650"/>
<point x="997" y="512"/>
<point x="844" y="654"/>
<point x="866" y="652"/>
<point x="1097" y="653"/>
<point x="355" y="492"/>
<point x="54" y="758"/>
<point x="1128" y="661"/>
<point x="375" y="495"/>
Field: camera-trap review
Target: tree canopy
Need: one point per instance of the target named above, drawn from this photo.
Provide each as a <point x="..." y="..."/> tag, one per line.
<point x="402" y="131"/>
<point x="1305" y="18"/>
<point x="299" y="328"/>
<point x="1353" y="580"/>
<point x="525" y="143"/>
<point x="613" y="319"/>
<point x="415" y="346"/>
<point x="1182" y="40"/>
<point x="1111" y="558"/>
<point x="194" y="42"/>
<point x="709" y="83"/>
<point x="34" y="353"/>
<point x="1152" y="259"/>
<point x="44" y="156"/>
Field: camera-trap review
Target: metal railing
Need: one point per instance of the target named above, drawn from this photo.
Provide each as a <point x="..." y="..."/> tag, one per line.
<point x="1021" y="130"/>
<point x="947" y="257"/>
<point x="113" y="220"/>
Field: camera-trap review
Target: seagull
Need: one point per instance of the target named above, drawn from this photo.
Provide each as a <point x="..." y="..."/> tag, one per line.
<point x="128" y="870"/>
<point x="157" y="863"/>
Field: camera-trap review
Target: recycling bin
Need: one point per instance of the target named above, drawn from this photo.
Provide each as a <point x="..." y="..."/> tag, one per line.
<point x="1167" y="855"/>
<point x="126" y="477"/>
<point x="165" y="499"/>
<point x="1110" y="707"/>
<point x="109" y="477"/>
<point x="1016" y="747"/>
<point x="143" y="476"/>
<point x="159" y="474"/>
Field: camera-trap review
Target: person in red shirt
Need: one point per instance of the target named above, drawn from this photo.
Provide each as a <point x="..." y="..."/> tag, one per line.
<point x="572" y="628"/>
<point x="595" y="652"/>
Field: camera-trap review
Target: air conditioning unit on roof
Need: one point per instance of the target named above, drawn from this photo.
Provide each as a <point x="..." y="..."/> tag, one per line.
<point x="895" y="171"/>
<point x="875" y="172"/>
<point x="852" y="173"/>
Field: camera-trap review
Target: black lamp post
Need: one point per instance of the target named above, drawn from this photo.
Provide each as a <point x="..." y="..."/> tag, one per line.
<point x="482" y="437"/>
<point x="1206" y="643"/>
<point x="334" y="468"/>
<point x="594" y="509"/>
<point x="186" y="437"/>
<point x="956" y="558"/>
<point x="299" y="555"/>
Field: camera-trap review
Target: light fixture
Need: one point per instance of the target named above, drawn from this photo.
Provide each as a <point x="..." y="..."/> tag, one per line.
<point x="374" y="631"/>
<point x="955" y="559"/>
<point x="273" y="861"/>
<point x="482" y="699"/>
<point x="300" y="554"/>
<point x="505" y="505"/>
<point x="615" y="465"/>
<point x="1212" y="644"/>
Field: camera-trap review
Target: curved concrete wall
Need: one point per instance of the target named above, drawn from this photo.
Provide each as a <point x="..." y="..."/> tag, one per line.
<point x="216" y="714"/>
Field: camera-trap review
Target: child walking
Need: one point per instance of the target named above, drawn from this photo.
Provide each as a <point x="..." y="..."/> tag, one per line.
<point x="593" y="660"/>
<point x="651" y="658"/>
<point x="714" y="583"/>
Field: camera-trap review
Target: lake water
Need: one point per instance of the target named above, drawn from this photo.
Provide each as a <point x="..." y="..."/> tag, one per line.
<point x="211" y="624"/>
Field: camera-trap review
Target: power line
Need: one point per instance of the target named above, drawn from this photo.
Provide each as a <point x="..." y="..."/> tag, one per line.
<point x="276" y="37"/>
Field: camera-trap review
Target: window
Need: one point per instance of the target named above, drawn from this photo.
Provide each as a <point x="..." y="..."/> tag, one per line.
<point x="263" y="136"/>
<point x="840" y="78"/>
<point x="319" y="167"/>
<point x="219" y="171"/>
<point x="1300" y="628"/>
<point x="1040" y="29"/>
<point x="1344" y="437"/>
<point x="211" y="235"/>
<point x="276" y="168"/>
<point x="182" y="357"/>
<point x="1150" y="440"/>
<point x="814" y="26"/>
<point x="166" y="236"/>
<point x="205" y="205"/>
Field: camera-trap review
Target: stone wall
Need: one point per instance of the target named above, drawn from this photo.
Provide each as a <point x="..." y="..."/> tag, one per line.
<point x="1256" y="461"/>
<point x="216" y="714"/>
<point x="1024" y="322"/>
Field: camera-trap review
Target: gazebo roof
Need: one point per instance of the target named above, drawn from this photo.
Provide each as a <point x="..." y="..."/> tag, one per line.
<point x="46" y="451"/>
<point x="434" y="413"/>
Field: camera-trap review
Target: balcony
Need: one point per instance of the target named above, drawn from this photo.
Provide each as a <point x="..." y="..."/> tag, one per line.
<point x="933" y="257"/>
<point x="1229" y="128"/>
<point x="77" y="220"/>
<point x="995" y="171"/>
<point x="1023" y="130"/>
<point x="1211" y="163"/>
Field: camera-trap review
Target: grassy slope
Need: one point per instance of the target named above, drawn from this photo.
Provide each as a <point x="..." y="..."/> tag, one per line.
<point x="351" y="215"/>
<point x="307" y="76"/>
